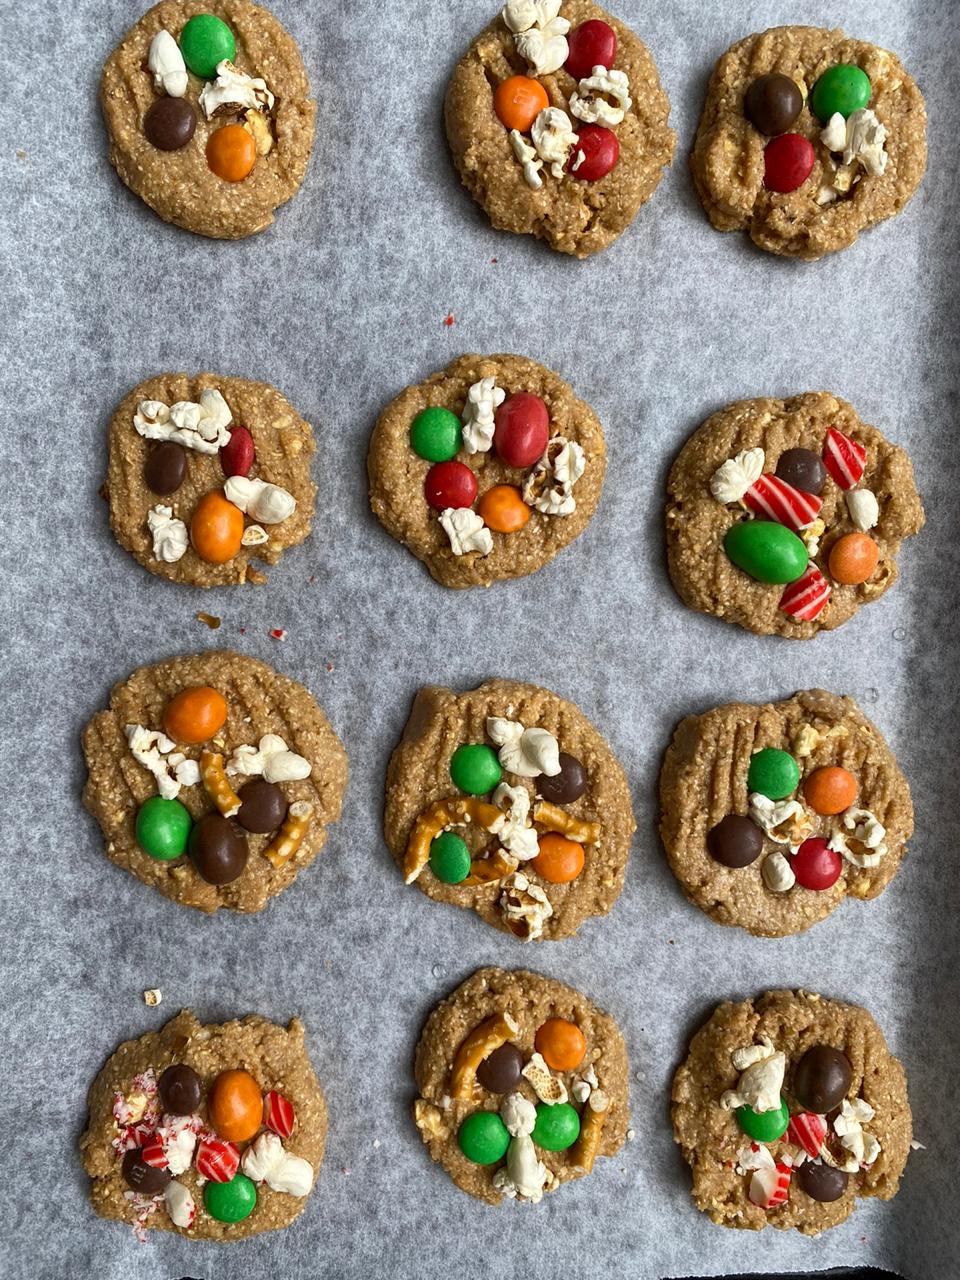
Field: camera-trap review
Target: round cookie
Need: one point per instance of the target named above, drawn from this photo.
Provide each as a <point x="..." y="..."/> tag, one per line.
<point x="507" y="800"/>
<point x="169" y="120"/>
<point x="523" y="166"/>
<point x="166" y="1095"/>
<point x="781" y="571"/>
<point x="455" y="417"/>
<point x="482" y="1067"/>
<point x="173" y="442"/>
<point x="851" y="1072"/>
<point x="798" y="187"/>
<point x="172" y="759"/>
<point x="739" y="855"/>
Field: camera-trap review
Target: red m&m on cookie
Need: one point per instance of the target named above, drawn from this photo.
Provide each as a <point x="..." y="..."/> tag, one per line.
<point x="594" y="154"/>
<point x="815" y="865"/>
<point x="522" y="429"/>
<point x="592" y="44"/>
<point x="450" y="484"/>
<point x="787" y="162"/>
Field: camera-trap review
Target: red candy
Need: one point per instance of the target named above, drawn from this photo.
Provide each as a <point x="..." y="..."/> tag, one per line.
<point x="592" y="44"/>
<point x="774" y="498"/>
<point x="217" y="1160"/>
<point x="815" y="865"/>
<point x="806" y="598"/>
<point x="278" y="1114"/>
<point x="843" y="458"/>
<point x="450" y="484"/>
<point x="807" y="1130"/>
<point x="787" y="162"/>
<point x="770" y="1187"/>
<point x="236" y="456"/>
<point x="152" y="1152"/>
<point x="600" y="151"/>
<point x="522" y="430"/>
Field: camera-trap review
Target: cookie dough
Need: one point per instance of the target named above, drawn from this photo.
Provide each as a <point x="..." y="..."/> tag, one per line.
<point x="805" y="171"/>
<point x="825" y="1063"/>
<point x="207" y="475"/>
<point x="215" y="143"/>
<point x="742" y="855"/>
<point x="507" y="800"/>
<point x="157" y="1147"/>
<point x="519" y="458"/>
<point x="182" y="745"/>
<point x="525" y="1073"/>
<point x="802" y="559"/>
<point x="567" y="157"/>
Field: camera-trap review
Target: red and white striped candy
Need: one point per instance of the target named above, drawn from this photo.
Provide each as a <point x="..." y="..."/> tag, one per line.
<point x="770" y="1187"/>
<point x="152" y="1152"/>
<point x="806" y="598"/>
<point x="843" y="458"/>
<point x="774" y="498"/>
<point x="217" y="1160"/>
<point x="278" y="1114"/>
<point x="807" y="1130"/>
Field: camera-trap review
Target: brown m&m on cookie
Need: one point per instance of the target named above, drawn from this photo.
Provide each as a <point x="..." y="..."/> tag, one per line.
<point x="735" y="841"/>
<point x="822" y="1078"/>
<point x="166" y="467"/>
<point x="773" y="103"/>
<point x="145" y="1178"/>
<point x="822" y="1182"/>
<point x="170" y="123"/>
<point x="263" y="807"/>
<point x="217" y="851"/>
<point x="502" y="1070"/>
<point x="567" y="785"/>
<point x="180" y="1090"/>
<point x="803" y="469"/>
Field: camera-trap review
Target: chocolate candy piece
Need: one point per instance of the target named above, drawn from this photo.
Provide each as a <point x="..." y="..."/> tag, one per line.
<point x="166" y="467"/>
<point x="263" y="807"/>
<point x="772" y="104"/>
<point x="821" y="1181"/>
<point x="566" y="786"/>
<point x="218" y="853"/>
<point x="170" y="123"/>
<point x="143" y="1177"/>
<point x="766" y="551"/>
<point x="803" y="469"/>
<point x="822" y="1079"/>
<point x="735" y="841"/>
<point x="501" y="1071"/>
<point x="180" y="1090"/>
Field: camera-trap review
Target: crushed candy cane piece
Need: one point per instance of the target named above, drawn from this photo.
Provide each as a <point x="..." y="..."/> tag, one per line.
<point x="278" y="1114"/>
<point x="807" y="1130"/>
<point x="217" y="1160"/>
<point x="843" y="458"/>
<point x="777" y="500"/>
<point x="153" y="1154"/>
<point x="806" y="598"/>
<point x="180" y="1205"/>
<point x="771" y="1187"/>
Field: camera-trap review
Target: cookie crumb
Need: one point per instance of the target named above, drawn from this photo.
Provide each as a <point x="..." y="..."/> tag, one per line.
<point x="152" y="997"/>
<point x="209" y="619"/>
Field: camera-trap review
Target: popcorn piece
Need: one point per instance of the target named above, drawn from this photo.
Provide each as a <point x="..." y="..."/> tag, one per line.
<point x="265" y="1160"/>
<point x="549" y="486"/>
<point x="483" y="400"/>
<point x="518" y="1114"/>
<point x="784" y="821"/>
<point x="805" y="741"/>
<point x="180" y="1205"/>
<point x="591" y="103"/>
<point x="528" y="159"/>
<point x="524" y="1174"/>
<point x="554" y="138"/>
<point x="166" y="63"/>
<point x="153" y="997"/>
<point x="860" y="137"/>
<point x="170" y="539"/>
<point x="848" y="1126"/>
<point x="731" y="481"/>
<point x="525" y="906"/>
<point x="265" y="502"/>
<point x="515" y="832"/>
<point x="864" y="846"/>
<point x="539" y="33"/>
<point x="271" y="758"/>
<point x="155" y="751"/>
<point x="863" y="508"/>
<point x="761" y="1081"/>
<point x="546" y="1085"/>
<point x="429" y="1120"/>
<point x="257" y="125"/>
<point x="778" y="875"/>
<point x="201" y="427"/>
<point x="254" y="536"/>
<point x="466" y="531"/>
<point x="233" y="92"/>
<point x="811" y="535"/>
<point x="528" y="753"/>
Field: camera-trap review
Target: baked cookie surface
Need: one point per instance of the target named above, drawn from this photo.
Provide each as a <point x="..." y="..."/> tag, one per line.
<point x="213" y="778"/>
<point x="789" y="1109"/>
<point x="216" y="1132"/>
<point x="517" y="457"/>
<point x="507" y="800"/>
<point x="772" y="815"/>
<point x="575" y="90"/>
<point x="803" y="163"/>
<point x="206" y="475"/>
<point x="785" y="516"/>
<point x="211" y="123"/>
<point x="524" y="1074"/>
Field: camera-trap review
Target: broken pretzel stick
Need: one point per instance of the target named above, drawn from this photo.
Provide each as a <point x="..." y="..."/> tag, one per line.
<point x="565" y="824"/>
<point x="489" y="870"/>
<point x="479" y="1044"/>
<point x="288" y="839"/>
<point x="585" y="1149"/>
<point x="217" y="783"/>
<point x="457" y="811"/>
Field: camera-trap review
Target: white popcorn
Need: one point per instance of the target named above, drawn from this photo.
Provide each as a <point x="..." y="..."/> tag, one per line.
<point x="201" y="426"/>
<point x="777" y="873"/>
<point x="155" y="751"/>
<point x="525" y="904"/>
<point x="271" y="758"/>
<point x="265" y="502"/>
<point x="761" y="1081"/>
<point x="180" y="1204"/>
<point x="848" y="1126"/>
<point x="483" y="400"/>
<point x="748" y="1160"/>
<point x="525" y="752"/>
<point x="254" y="536"/>
<point x="166" y="62"/>
<point x="734" y="477"/>
<point x="265" y="1160"/>
<point x="863" y="508"/>
<point x="590" y="101"/>
<point x="554" y="138"/>
<point x="233" y="92"/>
<point x="545" y="1084"/>
<point x="864" y="846"/>
<point x="528" y="159"/>
<point x="539" y="33"/>
<point x="549" y="486"/>
<point x="466" y="531"/>
<point x="518" y="1114"/>
<point x="170" y="538"/>
<point x="513" y="830"/>
<point x="860" y="137"/>
<point x="784" y="821"/>
<point x="178" y="1135"/>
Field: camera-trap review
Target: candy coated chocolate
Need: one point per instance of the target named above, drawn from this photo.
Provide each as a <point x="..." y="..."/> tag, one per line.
<point x="166" y="467"/>
<point x="218" y="852"/>
<point x="263" y="807"/>
<point x="735" y="841"/>
<point x="170" y="123"/>
<point x="822" y="1079"/>
<point x="566" y="786"/>
<point x="773" y="103"/>
<point x="180" y="1090"/>
<point x="803" y="469"/>
<point x="143" y="1177"/>
<point x="821" y="1181"/>
<point x="501" y="1072"/>
<point x="765" y="550"/>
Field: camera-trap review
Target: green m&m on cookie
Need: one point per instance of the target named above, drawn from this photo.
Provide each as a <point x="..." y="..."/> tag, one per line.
<point x="162" y="828"/>
<point x="435" y="434"/>
<point x="557" y="1126"/>
<point x="205" y="41"/>
<point x="764" y="1126"/>
<point x="844" y="89"/>
<point x="230" y="1201"/>
<point x="773" y="773"/>
<point x="475" y="769"/>
<point x="449" y="858"/>
<point x="483" y="1137"/>
<point x="768" y="551"/>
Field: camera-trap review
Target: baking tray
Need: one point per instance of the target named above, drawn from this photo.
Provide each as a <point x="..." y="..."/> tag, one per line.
<point x="343" y="302"/>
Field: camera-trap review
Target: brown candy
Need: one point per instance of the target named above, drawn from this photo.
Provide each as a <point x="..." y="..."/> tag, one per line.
<point x="773" y="103"/>
<point x="566" y="786"/>
<point x="263" y="807"/>
<point x="180" y="1090"/>
<point x="218" y="852"/>
<point x="803" y="469"/>
<point x="822" y="1078"/>
<point x="821" y="1181"/>
<point x="501" y="1072"/>
<point x="170" y="123"/>
<point x="735" y="841"/>
<point x="141" y="1176"/>
<point x="166" y="467"/>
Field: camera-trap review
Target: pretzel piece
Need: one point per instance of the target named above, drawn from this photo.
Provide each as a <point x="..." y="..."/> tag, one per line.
<point x="455" y="811"/>
<point x="479" y="1044"/>
<point x="565" y="824"/>
<point x="217" y="783"/>
<point x="489" y="870"/>
<point x="288" y="839"/>
<point x="584" y="1151"/>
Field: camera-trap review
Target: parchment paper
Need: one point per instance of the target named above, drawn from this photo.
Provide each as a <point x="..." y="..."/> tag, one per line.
<point x="341" y="304"/>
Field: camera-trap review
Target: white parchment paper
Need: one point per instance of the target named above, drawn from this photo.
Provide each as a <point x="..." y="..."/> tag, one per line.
<point x="341" y="304"/>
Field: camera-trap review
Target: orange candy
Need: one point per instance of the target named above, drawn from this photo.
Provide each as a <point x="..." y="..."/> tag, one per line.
<point x="853" y="558"/>
<point x="561" y="1044"/>
<point x="235" y="1105"/>
<point x="231" y="152"/>
<point x="830" y="790"/>
<point x="560" y="860"/>
<point x="518" y="101"/>
<point x="502" y="509"/>
<point x="216" y="529"/>
<point x="195" y="715"/>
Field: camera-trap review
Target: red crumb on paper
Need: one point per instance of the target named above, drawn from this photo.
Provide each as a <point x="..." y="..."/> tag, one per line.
<point x="243" y="631"/>
<point x="449" y="320"/>
<point x="494" y="259"/>
<point x="279" y="633"/>
<point x="312" y="578"/>
<point x="329" y="666"/>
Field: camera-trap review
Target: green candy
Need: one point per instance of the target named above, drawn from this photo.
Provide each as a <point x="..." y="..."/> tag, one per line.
<point x="768" y="551"/>
<point x="435" y="434"/>
<point x="843" y="88"/>
<point x="483" y="1137"/>
<point x="205" y="41"/>
<point x="230" y="1201"/>
<point x="557" y="1126"/>
<point x="475" y="769"/>
<point x="449" y="858"/>
<point x="764" y="1126"/>
<point x="774" y="773"/>
<point x="162" y="828"/>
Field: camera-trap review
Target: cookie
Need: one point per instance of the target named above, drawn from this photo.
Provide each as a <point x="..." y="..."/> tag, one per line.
<point x="213" y="778"/>
<point x="785" y="516"/>
<point x="207" y="474"/>
<point x="486" y="470"/>
<point x="558" y="123"/>
<point x="215" y="1132"/>
<point x="772" y="815"/>
<point x="807" y="138"/>
<point x="507" y="800"/>
<point x="523" y="1083"/>
<point x="208" y="114"/>
<point x="789" y="1109"/>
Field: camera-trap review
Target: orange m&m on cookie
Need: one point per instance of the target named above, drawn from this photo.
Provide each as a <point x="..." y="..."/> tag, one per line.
<point x="561" y="1044"/>
<point x="195" y="715"/>
<point x="518" y="101"/>
<point x="503" y="509"/>
<point x="560" y="860"/>
<point x="853" y="558"/>
<point x="216" y="529"/>
<point x="830" y="790"/>
<point x="235" y="1105"/>
<point x="231" y="152"/>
